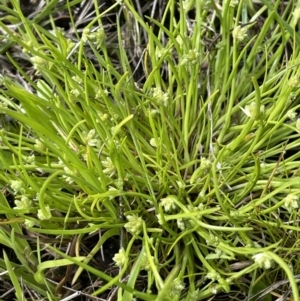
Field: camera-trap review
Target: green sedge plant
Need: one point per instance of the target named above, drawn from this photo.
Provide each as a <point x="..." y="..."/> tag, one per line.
<point x="193" y="167"/>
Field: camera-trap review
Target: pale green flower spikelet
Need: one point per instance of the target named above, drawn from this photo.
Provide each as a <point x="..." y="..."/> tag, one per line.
<point x="38" y="62"/>
<point x="91" y="138"/>
<point x="219" y="252"/>
<point x="3" y="105"/>
<point x="239" y="33"/>
<point x="17" y="186"/>
<point x="214" y="289"/>
<point x="254" y="244"/>
<point x="69" y="179"/>
<point x="194" y="295"/>
<point x="221" y="45"/>
<point x="30" y="45"/>
<point x="102" y="116"/>
<point x="25" y="203"/>
<point x="119" y="183"/>
<point x="201" y="195"/>
<point x="212" y="240"/>
<point x="205" y="163"/>
<point x="134" y="224"/>
<point x="95" y="37"/>
<point x="169" y="203"/>
<point x="75" y="92"/>
<point x="292" y="97"/>
<point x="153" y="112"/>
<point x="115" y="117"/>
<point x="291" y="114"/>
<point x="181" y="224"/>
<point x="294" y="82"/>
<point x="179" y="40"/>
<point x="70" y="46"/>
<point x="60" y="162"/>
<point x="263" y="165"/>
<point x="296" y="15"/>
<point x="113" y="130"/>
<point x="98" y="94"/>
<point x="192" y="208"/>
<point x="113" y="189"/>
<point x="229" y="281"/>
<point x="39" y="145"/>
<point x="201" y="207"/>
<point x="162" y="52"/>
<point x="206" y="5"/>
<point x="120" y="258"/>
<point x="109" y="167"/>
<point x="291" y="202"/>
<point x="191" y="58"/>
<point x="30" y="159"/>
<point x="28" y="223"/>
<point x="153" y="142"/>
<point x="188" y="5"/>
<point x="233" y="3"/>
<point x="46" y="216"/>
<point x="177" y="287"/>
<point x="77" y="79"/>
<point x="181" y="184"/>
<point x="250" y="110"/>
<point x="198" y="209"/>
<point x="263" y="260"/>
<point x="85" y="34"/>
<point x="150" y="202"/>
<point x="213" y="275"/>
<point x="298" y="125"/>
<point x="161" y="97"/>
<point x="159" y="219"/>
<point x="113" y="143"/>
<point x="145" y="264"/>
